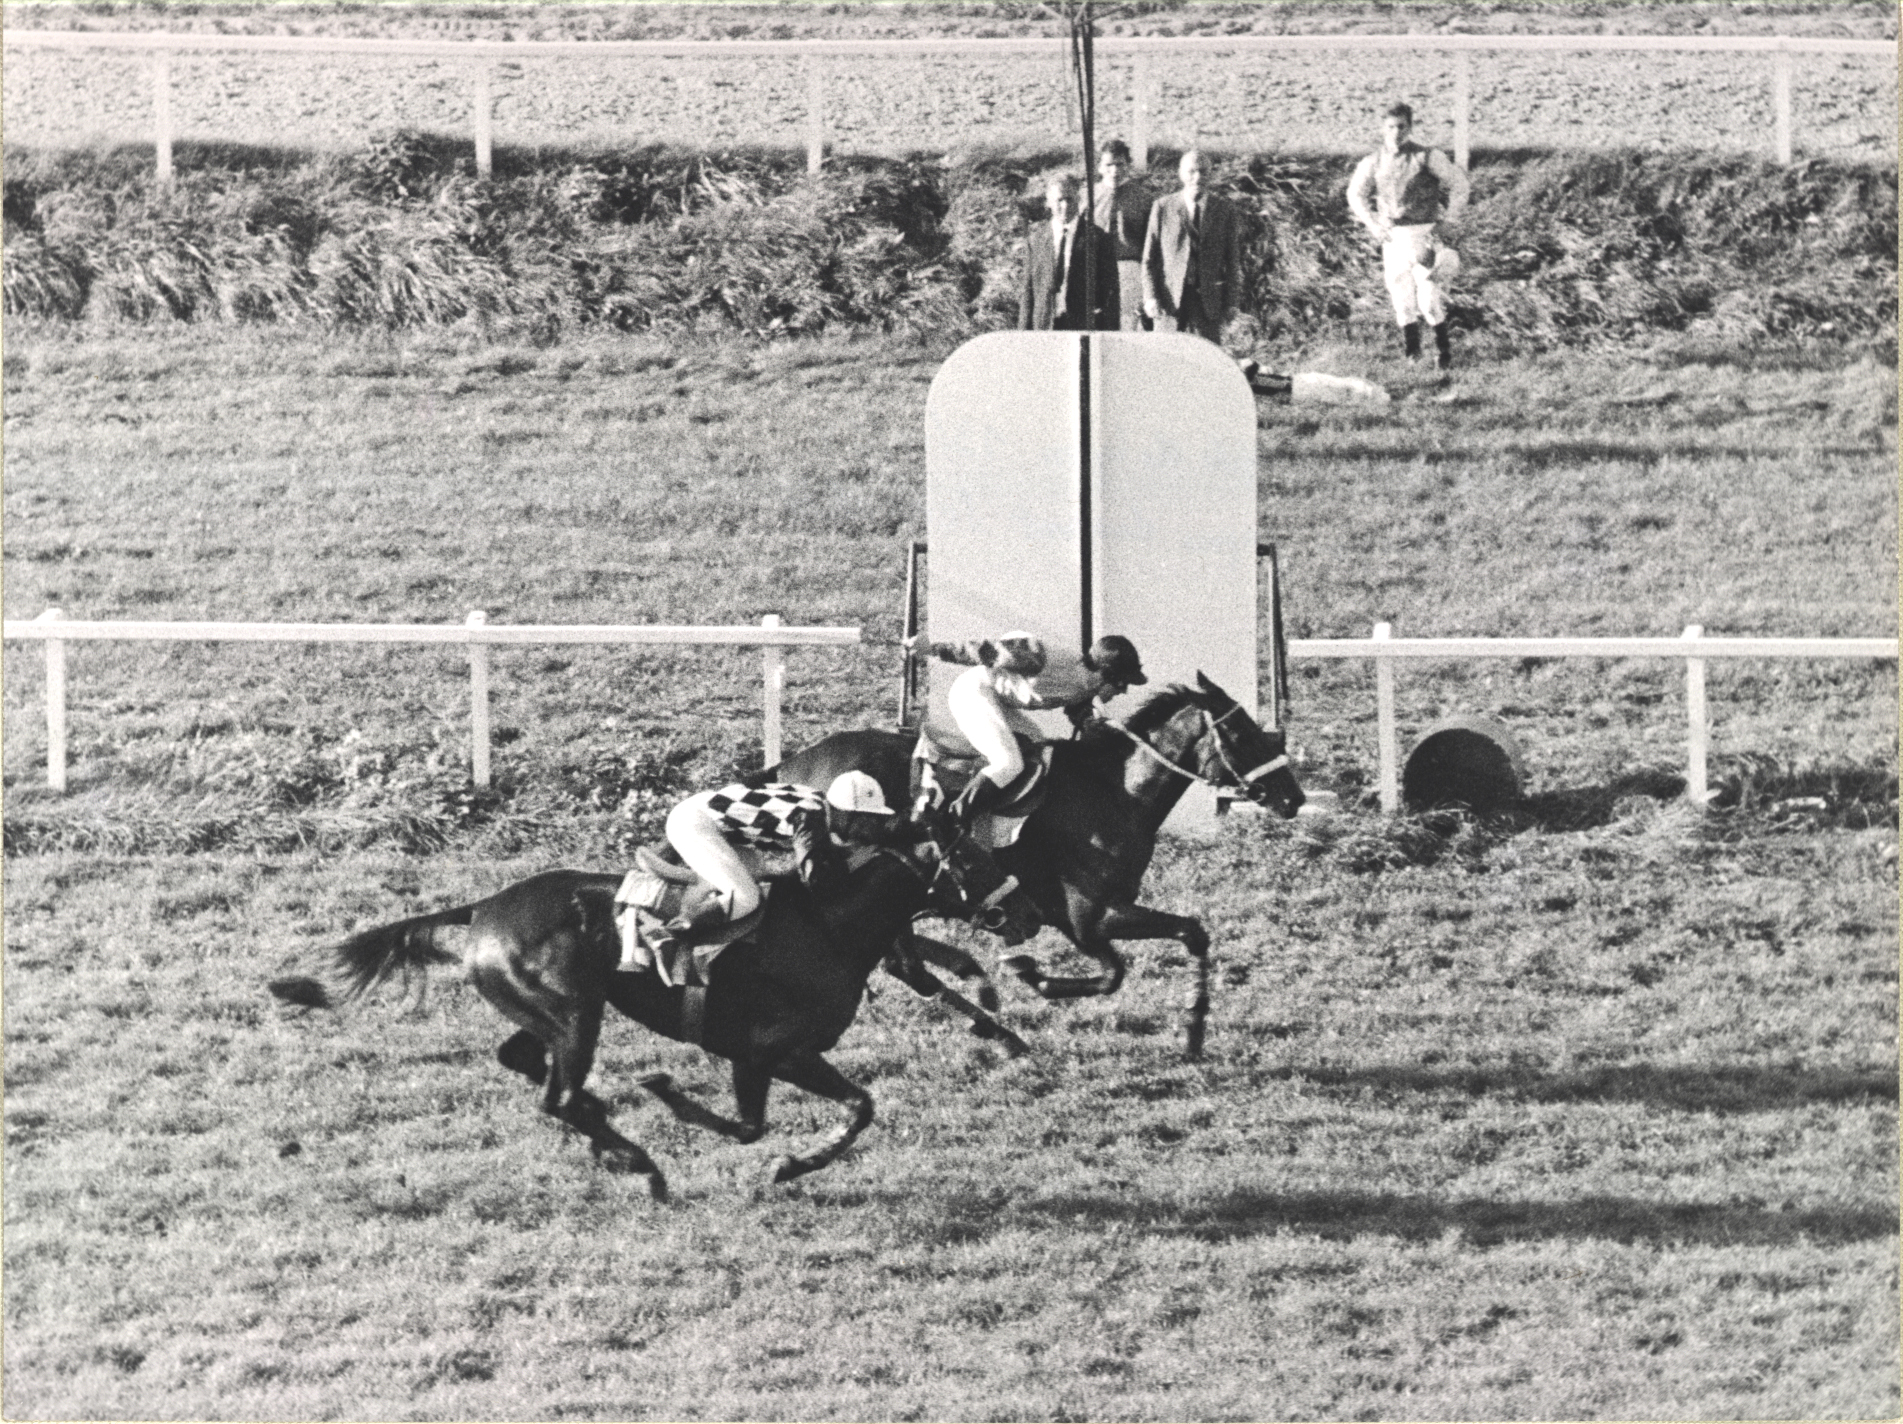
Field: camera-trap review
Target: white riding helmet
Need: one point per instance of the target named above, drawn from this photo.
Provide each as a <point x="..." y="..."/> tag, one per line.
<point x="855" y="791"/>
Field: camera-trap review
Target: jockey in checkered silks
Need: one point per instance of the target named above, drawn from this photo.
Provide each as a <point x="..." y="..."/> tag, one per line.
<point x="779" y="819"/>
<point x="1016" y="673"/>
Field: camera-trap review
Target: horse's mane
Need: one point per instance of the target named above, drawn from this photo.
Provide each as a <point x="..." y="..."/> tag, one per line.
<point x="1158" y="708"/>
<point x="1105" y="742"/>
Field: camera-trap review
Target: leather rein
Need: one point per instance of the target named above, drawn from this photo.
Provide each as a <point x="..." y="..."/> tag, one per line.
<point x="1244" y="779"/>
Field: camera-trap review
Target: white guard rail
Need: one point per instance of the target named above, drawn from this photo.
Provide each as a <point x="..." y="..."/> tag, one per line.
<point x="481" y="55"/>
<point x="1696" y="649"/>
<point x="477" y="633"/>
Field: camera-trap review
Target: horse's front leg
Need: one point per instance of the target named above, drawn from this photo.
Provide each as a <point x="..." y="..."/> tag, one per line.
<point x="907" y="964"/>
<point x="1094" y="934"/>
<point x="1141" y="922"/>
<point x="749" y="1094"/>
<point x="808" y="1070"/>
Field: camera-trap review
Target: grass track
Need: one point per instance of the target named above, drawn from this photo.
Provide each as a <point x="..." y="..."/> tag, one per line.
<point x="1587" y="1115"/>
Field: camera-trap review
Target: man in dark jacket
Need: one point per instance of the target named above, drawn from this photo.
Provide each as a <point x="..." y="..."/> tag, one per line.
<point x="1192" y="257"/>
<point x="1054" y="296"/>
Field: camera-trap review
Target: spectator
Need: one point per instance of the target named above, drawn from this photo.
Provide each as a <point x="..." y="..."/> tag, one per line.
<point x="1054" y="297"/>
<point x="1192" y="256"/>
<point x="1415" y="189"/>
<point x="1123" y="211"/>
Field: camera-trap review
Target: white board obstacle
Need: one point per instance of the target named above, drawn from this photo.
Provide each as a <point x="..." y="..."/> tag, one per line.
<point x="1081" y="484"/>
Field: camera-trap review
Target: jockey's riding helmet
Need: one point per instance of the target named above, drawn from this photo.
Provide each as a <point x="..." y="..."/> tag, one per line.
<point x="1115" y="656"/>
<point x="856" y="791"/>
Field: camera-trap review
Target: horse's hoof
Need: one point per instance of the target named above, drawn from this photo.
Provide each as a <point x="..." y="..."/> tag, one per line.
<point x="1013" y="1046"/>
<point x="654" y="1082"/>
<point x="1023" y="966"/>
<point x="785" y="1169"/>
<point x="988" y="999"/>
<point x="657" y="1186"/>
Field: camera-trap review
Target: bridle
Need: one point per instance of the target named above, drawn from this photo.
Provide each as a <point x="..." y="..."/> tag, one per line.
<point x="1243" y="779"/>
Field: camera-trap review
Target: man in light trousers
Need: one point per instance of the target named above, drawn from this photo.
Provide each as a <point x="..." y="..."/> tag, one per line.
<point x="1415" y="190"/>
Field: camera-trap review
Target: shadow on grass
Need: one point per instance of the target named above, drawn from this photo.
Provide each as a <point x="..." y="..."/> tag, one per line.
<point x="1715" y="1089"/>
<point x="1345" y="1216"/>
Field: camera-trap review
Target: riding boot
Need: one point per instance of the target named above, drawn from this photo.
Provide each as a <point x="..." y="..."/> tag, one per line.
<point x="1444" y="350"/>
<point x="1411" y="340"/>
<point x="979" y="796"/>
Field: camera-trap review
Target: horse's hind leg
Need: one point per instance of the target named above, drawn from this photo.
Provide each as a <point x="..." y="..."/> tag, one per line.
<point x="522" y="1053"/>
<point x="568" y="1027"/>
<point x="813" y="1073"/>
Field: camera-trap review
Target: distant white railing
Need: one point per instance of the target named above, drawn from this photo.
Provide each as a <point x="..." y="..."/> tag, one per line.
<point x="1696" y="649"/>
<point x="477" y="633"/>
<point x="483" y="54"/>
<point x="1383" y="649"/>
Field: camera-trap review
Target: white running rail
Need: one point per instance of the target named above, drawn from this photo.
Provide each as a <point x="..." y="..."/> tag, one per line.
<point x="1384" y="649"/>
<point x="813" y="55"/>
<point x="771" y="636"/>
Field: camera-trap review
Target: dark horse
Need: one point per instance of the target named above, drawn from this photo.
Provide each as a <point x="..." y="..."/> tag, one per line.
<point x="1083" y="852"/>
<point x="544" y="950"/>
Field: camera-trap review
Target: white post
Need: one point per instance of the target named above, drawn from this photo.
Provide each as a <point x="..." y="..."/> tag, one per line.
<point x="1781" y="101"/>
<point x="1384" y="724"/>
<point x="815" y="114"/>
<point x="773" y="665"/>
<point x="55" y="705"/>
<point x="1695" y="791"/>
<point x="478" y="702"/>
<point x="162" y="115"/>
<point x="1463" y="106"/>
<point x="484" y="109"/>
<point x="1140" y="113"/>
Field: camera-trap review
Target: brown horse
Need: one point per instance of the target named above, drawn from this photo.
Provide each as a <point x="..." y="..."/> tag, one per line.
<point x="1083" y="852"/>
<point x="543" y="952"/>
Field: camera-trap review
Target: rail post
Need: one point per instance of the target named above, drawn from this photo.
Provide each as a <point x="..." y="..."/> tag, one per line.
<point x="162" y="117"/>
<point x="815" y="113"/>
<point x="483" y="112"/>
<point x="1463" y="106"/>
<point x="1699" y="735"/>
<point x="1384" y="724"/>
<point x="55" y="704"/>
<point x="478" y="699"/>
<point x="1781" y="100"/>
<point x="1140" y="111"/>
<point x="773" y="669"/>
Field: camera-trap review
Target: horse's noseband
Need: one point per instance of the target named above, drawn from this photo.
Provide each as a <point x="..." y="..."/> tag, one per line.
<point x="1248" y="778"/>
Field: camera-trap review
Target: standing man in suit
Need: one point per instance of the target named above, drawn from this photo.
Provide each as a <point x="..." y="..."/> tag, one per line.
<point x="1054" y="297"/>
<point x="1123" y="211"/>
<point x="1192" y="256"/>
<point x="1414" y="189"/>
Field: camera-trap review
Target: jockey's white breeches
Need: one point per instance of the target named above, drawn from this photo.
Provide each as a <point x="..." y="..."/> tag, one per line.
<point x="990" y="726"/>
<point x="1407" y="264"/>
<point x="694" y="832"/>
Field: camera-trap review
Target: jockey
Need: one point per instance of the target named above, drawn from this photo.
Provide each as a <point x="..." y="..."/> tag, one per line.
<point x="779" y="817"/>
<point x="1014" y="674"/>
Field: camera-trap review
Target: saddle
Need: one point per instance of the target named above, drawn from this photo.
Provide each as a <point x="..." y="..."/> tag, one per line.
<point x="658" y="900"/>
<point x="942" y="768"/>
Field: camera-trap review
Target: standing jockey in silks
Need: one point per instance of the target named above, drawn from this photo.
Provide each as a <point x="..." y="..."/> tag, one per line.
<point x="1415" y="191"/>
<point x="1016" y="674"/>
<point x="777" y="818"/>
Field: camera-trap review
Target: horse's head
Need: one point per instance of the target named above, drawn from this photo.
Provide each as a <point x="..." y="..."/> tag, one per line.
<point x="1216" y="739"/>
<point x="969" y="884"/>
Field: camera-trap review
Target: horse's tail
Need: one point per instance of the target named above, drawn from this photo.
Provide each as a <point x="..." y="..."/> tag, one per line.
<point x="368" y="959"/>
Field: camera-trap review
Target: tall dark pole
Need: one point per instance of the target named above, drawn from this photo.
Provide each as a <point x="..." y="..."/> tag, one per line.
<point x="1083" y="66"/>
<point x="1084" y="74"/>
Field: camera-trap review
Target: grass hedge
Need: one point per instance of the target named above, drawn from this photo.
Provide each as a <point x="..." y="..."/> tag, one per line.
<point x="1560" y="249"/>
